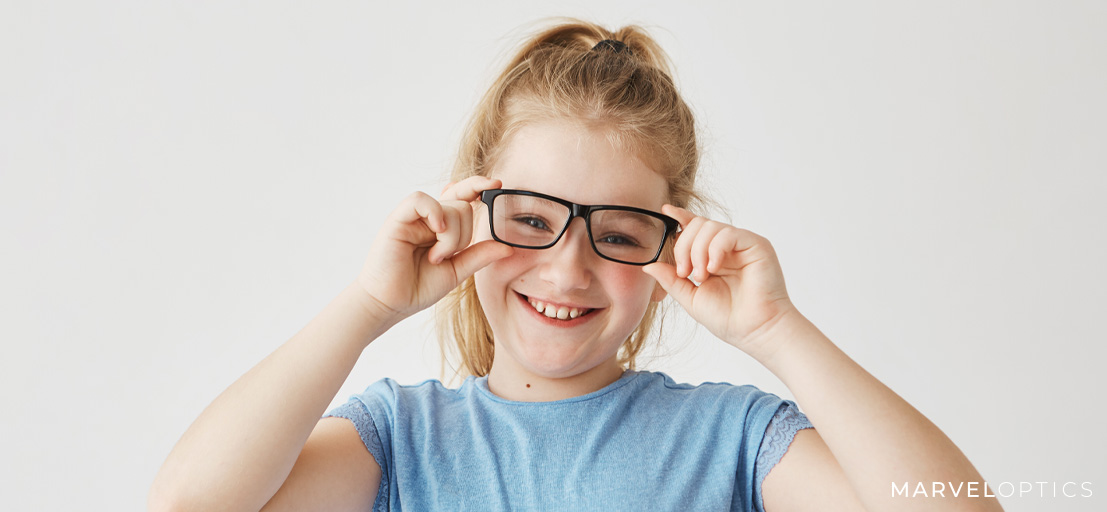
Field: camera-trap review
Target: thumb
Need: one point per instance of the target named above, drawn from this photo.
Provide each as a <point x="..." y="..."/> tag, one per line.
<point x="478" y="256"/>
<point x="682" y="290"/>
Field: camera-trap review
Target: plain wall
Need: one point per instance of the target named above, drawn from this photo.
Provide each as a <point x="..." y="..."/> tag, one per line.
<point x="184" y="185"/>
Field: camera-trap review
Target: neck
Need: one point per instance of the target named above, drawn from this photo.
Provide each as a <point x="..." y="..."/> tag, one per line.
<point x="512" y="382"/>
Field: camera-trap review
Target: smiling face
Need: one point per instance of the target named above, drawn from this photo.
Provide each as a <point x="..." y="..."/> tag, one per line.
<point x="580" y="352"/>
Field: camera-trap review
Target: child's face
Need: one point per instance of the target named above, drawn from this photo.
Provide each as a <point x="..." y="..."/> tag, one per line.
<point x="580" y="166"/>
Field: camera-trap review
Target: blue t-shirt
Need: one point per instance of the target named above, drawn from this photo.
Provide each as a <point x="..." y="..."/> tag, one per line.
<point x="644" y="442"/>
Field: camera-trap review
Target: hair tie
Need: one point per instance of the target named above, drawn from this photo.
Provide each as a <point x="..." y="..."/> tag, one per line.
<point x="612" y="45"/>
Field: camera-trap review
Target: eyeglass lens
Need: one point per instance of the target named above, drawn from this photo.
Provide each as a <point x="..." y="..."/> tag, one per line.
<point x="535" y="222"/>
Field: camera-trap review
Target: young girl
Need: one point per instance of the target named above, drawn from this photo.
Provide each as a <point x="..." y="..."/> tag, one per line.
<point x="565" y="226"/>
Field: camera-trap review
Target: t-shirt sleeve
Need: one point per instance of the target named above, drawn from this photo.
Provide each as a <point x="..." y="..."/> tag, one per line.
<point x="778" y="436"/>
<point x="370" y="414"/>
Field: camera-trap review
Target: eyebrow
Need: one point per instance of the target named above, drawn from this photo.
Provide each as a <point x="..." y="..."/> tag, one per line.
<point x="640" y="218"/>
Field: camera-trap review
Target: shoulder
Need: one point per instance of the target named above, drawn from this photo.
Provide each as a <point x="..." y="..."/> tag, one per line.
<point x="429" y="386"/>
<point x="389" y="393"/>
<point x="386" y="403"/>
<point x="662" y="379"/>
<point x="721" y="394"/>
<point x="713" y="409"/>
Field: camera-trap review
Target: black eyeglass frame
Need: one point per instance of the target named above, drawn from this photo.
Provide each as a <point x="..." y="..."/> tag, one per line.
<point x="578" y="210"/>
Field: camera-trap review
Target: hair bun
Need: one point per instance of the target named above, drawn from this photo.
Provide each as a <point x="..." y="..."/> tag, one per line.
<point x="613" y="46"/>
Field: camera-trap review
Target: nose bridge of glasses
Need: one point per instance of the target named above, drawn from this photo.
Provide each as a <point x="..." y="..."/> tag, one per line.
<point x="578" y="210"/>
<point x="568" y="262"/>
<point x="582" y="212"/>
<point x="578" y="235"/>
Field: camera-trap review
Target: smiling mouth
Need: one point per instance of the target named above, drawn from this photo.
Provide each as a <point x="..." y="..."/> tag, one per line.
<point x="557" y="312"/>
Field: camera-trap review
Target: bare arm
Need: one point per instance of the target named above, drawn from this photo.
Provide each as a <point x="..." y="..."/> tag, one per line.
<point x="246" y="444"/>
<point x="867" y="436"/>
<point x="334" y="473"/>
<point x="240" y="450"/>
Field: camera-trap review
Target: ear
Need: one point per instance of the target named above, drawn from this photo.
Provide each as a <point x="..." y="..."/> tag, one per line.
<point x="659" y="293"/>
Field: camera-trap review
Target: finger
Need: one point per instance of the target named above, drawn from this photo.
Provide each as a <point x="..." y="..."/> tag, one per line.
<point x="460" y="215"/>
<point x="478" y="256"/>
<point x="465" y="221"/>
<point x="747" y="247"/>
<point x="448" y="240"/>
<point x="698" y="252"/>
<point x="683" y="246"/>
<point x="745" y="239"/>
<point x="680" y="214"/>
<point x="469" y="189"/>
<point x="680" y="289"/>
<point x="420" y="206"/>
<point x="721" y="247"/>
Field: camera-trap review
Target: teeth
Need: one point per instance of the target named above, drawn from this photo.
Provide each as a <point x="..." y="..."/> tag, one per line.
<point x="552" y="311"/>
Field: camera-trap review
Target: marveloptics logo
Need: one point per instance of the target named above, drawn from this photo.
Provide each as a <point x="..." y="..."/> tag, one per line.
<point x="983" y="489"/>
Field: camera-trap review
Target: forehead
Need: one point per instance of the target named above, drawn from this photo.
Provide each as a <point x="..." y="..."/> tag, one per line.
<point x="579" y="164"/>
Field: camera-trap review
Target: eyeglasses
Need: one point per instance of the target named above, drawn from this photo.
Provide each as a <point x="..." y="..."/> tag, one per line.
<point x="623" y="234"/>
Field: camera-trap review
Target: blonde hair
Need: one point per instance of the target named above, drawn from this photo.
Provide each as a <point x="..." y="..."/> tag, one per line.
<point x="556" y="75"/>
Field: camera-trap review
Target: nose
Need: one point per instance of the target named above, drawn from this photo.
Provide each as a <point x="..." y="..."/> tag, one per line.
<point x="568" y="264"/>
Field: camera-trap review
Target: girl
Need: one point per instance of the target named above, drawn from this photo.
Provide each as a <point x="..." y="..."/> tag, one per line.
<point x="565" y="226"/>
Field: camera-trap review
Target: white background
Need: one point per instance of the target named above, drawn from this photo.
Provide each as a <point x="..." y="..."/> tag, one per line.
<point x="183" y="186"/>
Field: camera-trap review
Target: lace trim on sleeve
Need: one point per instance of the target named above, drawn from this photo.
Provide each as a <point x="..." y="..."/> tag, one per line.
<point x="778" y="436"/>
<point x="367" y="429"/>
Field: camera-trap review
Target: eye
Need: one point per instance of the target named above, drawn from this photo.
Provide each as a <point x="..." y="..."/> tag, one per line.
<point x="532" y="222"/>
<point x="618" y="239"/>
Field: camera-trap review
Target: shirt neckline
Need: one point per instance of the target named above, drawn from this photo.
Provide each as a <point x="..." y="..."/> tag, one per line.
<point x="481" y="385"/>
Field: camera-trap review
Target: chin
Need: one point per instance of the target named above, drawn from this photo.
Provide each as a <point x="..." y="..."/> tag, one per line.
<point x="551" y="363"/>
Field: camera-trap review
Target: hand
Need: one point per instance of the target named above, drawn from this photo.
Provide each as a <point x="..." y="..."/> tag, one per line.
<point x="741" y="293"/>
<point x="423" y="249"/>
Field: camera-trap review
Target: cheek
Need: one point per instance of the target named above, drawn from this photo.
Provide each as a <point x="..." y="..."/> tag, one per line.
<point x="492" y="282"/>
<point x="632" y="286"/>
<point x="482" y="286"/>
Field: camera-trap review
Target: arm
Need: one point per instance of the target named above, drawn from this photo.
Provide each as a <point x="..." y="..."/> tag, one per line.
<point x="240" y="450"/>
<point x="334" y="472"/>
<point x="808" y="465"/>
<point x="868" y="437"/>
<point x="244" y="448"/>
